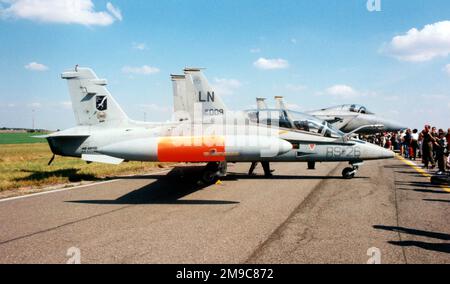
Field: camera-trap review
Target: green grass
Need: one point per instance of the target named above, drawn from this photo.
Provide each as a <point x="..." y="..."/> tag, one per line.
<point x="25" y="166"/>
<point x="20" y="138"/>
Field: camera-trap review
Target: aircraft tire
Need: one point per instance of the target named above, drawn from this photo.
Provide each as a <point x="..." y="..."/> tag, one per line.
<point x="348" y="173"/>
<point x="209" y="177"/>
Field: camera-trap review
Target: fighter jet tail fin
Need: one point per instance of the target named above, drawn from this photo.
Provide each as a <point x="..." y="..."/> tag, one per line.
<point x="91" y="101"/>
<point x="180" y="100"/>
<point x="200" y="94"/>
<point x="261" y="103"/>
<point x="279" y="101"/>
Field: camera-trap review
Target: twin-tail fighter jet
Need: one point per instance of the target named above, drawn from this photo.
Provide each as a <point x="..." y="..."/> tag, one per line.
<point x="355" y="118"/>
<point x="347" y="118"/>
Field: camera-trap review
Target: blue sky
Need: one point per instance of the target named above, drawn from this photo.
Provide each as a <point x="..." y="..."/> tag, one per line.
<point x="315" y="53"/>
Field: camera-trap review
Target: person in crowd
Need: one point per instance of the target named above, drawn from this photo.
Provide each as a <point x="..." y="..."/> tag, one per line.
<point x="406" y="143"/>
<point x="427" y="148"/>
<point x="401" y="139"/>
<point x="388" y="143"/>
<point x="447" y="152"/>
<point x="394" y="142"/>
<point x="434" y="132"/>
<point x="440" y="147"/>
<point x="435" y="135"/>
<point x="420" y="142"/>
<point x="414" y="143"/>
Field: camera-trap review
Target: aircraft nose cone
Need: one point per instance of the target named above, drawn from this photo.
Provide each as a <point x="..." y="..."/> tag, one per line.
<point x="374" y="152"/>
<point x="386" y="153"/>
<point x="390" y="125"/>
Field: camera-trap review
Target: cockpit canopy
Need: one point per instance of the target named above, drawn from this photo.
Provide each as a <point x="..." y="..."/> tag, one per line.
<point x="293" y="120"/>
<point x="352" y="108"/>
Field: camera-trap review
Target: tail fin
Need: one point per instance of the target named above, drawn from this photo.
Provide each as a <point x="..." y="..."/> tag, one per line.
<point x="279" y="101"/>
<point x="198" y="91"/>
<point x="91" y="101"/>
<point x="180" y="99"/>
<point x="261" y="103"/>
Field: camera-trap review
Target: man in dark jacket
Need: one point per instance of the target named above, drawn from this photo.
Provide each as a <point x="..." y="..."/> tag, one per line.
<point x="441" y="145"/>
<point x="427" y="148"/>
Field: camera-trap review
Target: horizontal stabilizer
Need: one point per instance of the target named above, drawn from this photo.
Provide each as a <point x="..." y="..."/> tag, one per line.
<point x="40" y="136"/>
<point x="98" y="158"/>
<point x="74" y="135"/>
<point x="57" y="135"/>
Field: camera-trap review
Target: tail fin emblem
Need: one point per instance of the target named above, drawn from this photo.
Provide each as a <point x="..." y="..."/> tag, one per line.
<point x="101" y="103"/>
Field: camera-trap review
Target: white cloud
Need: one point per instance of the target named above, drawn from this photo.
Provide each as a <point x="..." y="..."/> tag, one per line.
<point x="114" y="11"/>
<point x="436" y="97"/>
<point x="66" y="105"/>
<point x="271" y="64"/>
<point x="391" y="98"/>
<point x="421" y="45"/>
<point x="139" y="46"/>
<point x="295" y="88"/>
<point x="60" y="11"/>
<point x="226" y="86"/>
<point x="34" y="105"/>
<point x="255" y="50"/>
<point x="34" y="66"/>
<point x="143" y="70"/>
<point x="342" y="91"/>
<point x="447" y="69"/>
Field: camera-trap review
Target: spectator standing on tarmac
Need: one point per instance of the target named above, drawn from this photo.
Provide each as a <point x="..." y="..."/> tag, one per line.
<point x="388" y="142"/>
<point x="435" y="134"/>
<point x="441" y="145"/>
<point x="421" y="145"/>
<point x="401" y="142"/>
<point x="414" y="143"/>
<point x="406" y="143"/>
<point x="427" y="148"/>
<point x="394" y="142"/>
<point x="447" y="152"/>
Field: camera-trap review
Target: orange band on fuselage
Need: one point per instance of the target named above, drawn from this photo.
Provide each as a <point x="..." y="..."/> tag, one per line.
<point x="191" y="149"/>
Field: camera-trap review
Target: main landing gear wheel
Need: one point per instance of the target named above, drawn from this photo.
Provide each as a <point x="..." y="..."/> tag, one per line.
<point x="210" y="177"/>
<point x="213" y="171"/>
<point x="348" y="173"/>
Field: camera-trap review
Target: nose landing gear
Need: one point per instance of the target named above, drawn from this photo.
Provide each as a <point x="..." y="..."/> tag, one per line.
<point x="350" y="172"/>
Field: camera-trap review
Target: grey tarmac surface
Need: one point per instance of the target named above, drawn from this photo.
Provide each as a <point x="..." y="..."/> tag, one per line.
<point x="299" y="216"/>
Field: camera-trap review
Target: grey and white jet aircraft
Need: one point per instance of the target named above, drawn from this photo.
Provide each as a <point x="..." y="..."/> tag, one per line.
<point x="313" y="140"/>
<point x="355" y="118"/>
<point x="105" y="134"/>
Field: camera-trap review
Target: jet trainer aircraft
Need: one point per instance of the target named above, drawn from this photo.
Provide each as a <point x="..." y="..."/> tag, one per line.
<point x="354" y="118"/>
<point x="105" y="134"/>
<point x="313" y="140"/>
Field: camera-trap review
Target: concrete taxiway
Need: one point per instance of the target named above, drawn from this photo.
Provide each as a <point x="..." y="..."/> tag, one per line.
<point x="299" y="216"/>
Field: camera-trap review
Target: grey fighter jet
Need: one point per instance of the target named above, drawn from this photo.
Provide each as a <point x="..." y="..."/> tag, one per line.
<point x="355" y="118"/>
<point x="313" y="140"/>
